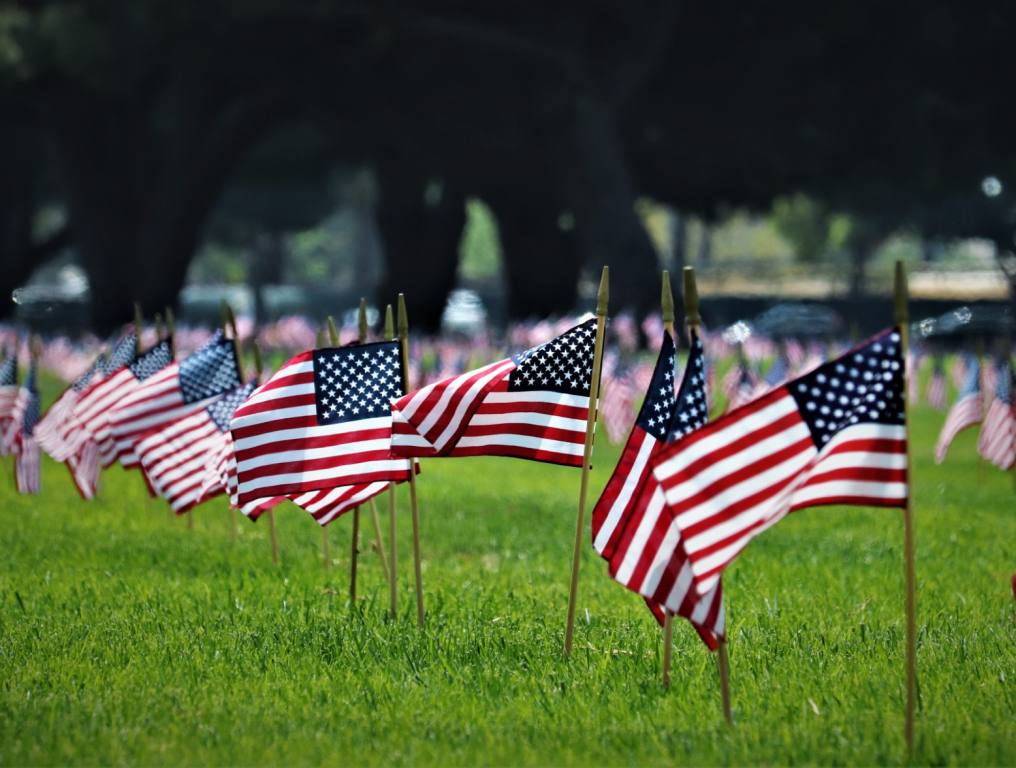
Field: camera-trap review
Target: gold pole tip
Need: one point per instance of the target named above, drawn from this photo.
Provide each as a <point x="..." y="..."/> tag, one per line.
<point x="362" y="320"/>
<point x="333" y="331"/>
<point x="389" y="323"/>
<point x="667" y="298"/>
<point x="603" y="294"/>
<point x="403" y="317"/>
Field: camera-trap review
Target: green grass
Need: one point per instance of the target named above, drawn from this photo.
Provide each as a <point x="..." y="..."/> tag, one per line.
<point x="126" y="638"/>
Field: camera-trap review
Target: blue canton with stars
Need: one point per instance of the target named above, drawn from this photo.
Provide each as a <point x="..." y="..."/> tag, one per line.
<point x="692" y="409"/>
<point x="123" y="354"/>
<point x="221" y="411"/>
<point x="210" y="371"/>
<point x="356" y="382"/>
<point x="564" y="364"/>
<point x="154" y="360"/>
<point x="864" y="386"/>
<point x="9" y="372"/>
<point x="658" y="407"/>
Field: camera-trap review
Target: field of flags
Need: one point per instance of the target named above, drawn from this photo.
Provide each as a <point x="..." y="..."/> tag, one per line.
<point x="714" y="443"/>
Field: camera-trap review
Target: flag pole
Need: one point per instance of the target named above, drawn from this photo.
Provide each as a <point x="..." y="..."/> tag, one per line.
<point x="171" y="330"/>
<point x="694" y="320"/>
<point x="393" y="594"/>
<point x="403" y="325"/>
<point x="363" y="334"/>
<point x="602" y="296"/>
<point x="667" y="307"/>
<point x="229" y="324"/>
<point x="902" y="320"/>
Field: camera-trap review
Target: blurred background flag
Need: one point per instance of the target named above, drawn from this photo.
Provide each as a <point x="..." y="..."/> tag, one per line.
<point x="997" y="441"/>
<point x="968" y="409"/>
<point x="175" y="391"/>
<point x="26" y="449"/>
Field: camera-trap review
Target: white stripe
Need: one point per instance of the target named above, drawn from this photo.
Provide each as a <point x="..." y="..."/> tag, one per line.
<point x="682" y="584"/>
<point x="624" y="496"/>
<point x="701" y="610"/>
<point x="537" y="396"/>
<point x="522" y="441"/>
<point x="866" y="488"/>
<point x="259" y="397"/>
<point x="661" y="559"/>
<point x="528" y="417"/>
<point x="242" y="421"/>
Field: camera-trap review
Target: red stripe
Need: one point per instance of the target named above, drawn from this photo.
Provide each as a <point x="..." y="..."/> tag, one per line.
<point x="527" y="430"/>
<point x="246" y="497"/>
<point x="307" y="443"/>
<point x="549" y="457"/>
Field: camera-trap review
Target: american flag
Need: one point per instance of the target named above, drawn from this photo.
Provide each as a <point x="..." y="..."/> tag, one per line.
<point x="175" y="458"/>
<point x="968" y="409"/>
<point x="627" y="516"/>
<point x="175" y="391"/>
<point x="530" y="406"/>
<point x="836" y="435"/>
<point x="26" y="449"/>
<point x="49" y="432"/>
<point x="9" y="392"/>
<point x="323" y="421"/>
<point x="89" y="422"/>
<point x="997" y="441"/>
<point x="935" y="394"/>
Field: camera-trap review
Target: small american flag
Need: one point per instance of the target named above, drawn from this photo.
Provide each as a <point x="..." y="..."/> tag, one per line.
<point x="627" y="516"/>
<point x="834" y="436"/>
<point x="26" y="449"/>
<point x="175" y="458"/>
<point x="9" y="393"/>
<point x="618" y="403"/>
<point x="322" y="421"/>
<point x="968" y="409"/>
<point x="49" y="432"/>
<point x="90" y="421"/>
<point x="530" y="406"/>
<point x="997" y="441"/>
<point x="171" y="392"/>
<point x="935" y="394"/>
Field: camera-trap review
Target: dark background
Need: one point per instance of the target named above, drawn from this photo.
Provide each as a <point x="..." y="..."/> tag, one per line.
<point x="134" y="134"/>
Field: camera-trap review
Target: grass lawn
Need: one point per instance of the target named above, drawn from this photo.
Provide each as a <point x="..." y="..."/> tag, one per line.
<point x="126" y="638"/>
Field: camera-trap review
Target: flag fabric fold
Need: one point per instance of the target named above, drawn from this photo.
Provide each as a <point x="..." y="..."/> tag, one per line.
<point x="9" y="399"/>
<point x="176" y="390"/>
<point x="26" y="449"/>
<point x="836" y="435"/>
<point x="175" y="458"/>
<point x="533" y="405"/>
<point x="628" y="513"/>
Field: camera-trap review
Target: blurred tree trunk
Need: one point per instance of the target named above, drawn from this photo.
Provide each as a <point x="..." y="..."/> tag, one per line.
<point x="421" y="224"/>
<point x="705" y="246"/>
<point x="598" y="185"/>
<point x="266" y="261"/>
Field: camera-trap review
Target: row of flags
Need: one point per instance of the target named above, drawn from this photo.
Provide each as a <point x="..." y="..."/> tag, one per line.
<point x="333" y="427"/>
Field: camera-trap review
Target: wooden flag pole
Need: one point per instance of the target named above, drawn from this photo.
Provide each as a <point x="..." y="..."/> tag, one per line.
<point x="229" y="327"/>
<point x="393" y="592"/>
<point x="902" y="320"/>
<point x="667" y="307"/>
<point x="403" y="324"/>
<point x="159" y="331"/>
<point x="602" y="296"/>
<point x="171" y="330"/>
<point x="694" y="321"/>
